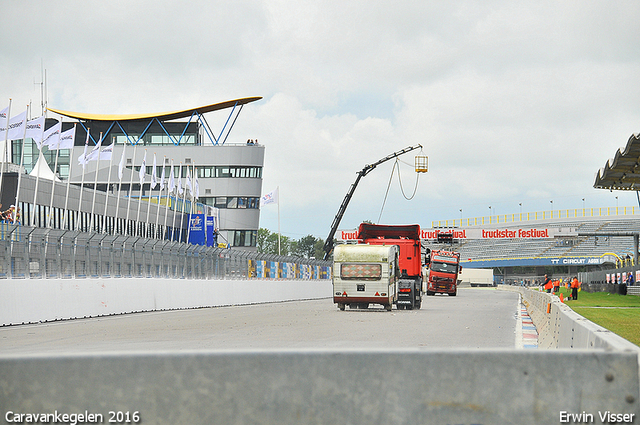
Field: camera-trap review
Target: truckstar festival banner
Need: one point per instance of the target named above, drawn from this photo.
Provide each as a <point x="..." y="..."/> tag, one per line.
<point x="480" y="233"/>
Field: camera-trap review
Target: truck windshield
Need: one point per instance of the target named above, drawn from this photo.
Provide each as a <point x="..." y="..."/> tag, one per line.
<point x="360" y="271"/>
<point x="444" y="267"/>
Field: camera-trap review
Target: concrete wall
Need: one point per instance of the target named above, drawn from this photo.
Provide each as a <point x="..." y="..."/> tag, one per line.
<point x="42" y="300"/>
<point x="560" y="327"/>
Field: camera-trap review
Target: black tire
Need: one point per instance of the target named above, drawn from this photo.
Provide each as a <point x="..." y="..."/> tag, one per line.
<point x="453" y="294"/>
<point x="429" y="293"/>
<point x="341" y="307"/>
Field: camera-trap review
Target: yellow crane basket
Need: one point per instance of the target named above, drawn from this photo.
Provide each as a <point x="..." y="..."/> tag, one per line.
<point x="422" y="163"/>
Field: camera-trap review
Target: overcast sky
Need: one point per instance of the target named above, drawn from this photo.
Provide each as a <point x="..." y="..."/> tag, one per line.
<point x="514" y="102"/>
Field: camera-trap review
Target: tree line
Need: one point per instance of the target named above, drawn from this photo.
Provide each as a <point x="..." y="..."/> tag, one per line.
<point x="308" y="246"/>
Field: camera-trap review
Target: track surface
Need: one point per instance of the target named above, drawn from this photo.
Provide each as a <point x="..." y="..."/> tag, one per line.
<point x="476" y="318"/>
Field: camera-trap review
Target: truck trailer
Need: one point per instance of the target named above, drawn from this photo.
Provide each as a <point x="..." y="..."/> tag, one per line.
<point x="365" y="274"/>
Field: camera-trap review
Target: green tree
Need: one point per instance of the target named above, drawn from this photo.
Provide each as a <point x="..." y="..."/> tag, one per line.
<point x="306" y="246"/>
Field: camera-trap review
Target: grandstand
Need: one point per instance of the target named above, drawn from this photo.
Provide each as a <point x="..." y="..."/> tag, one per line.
<point x="565" y="248"/>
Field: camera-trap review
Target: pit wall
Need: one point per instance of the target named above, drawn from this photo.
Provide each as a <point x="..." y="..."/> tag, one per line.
<point x="559" y="326"/>
<point x="44" y="300"/>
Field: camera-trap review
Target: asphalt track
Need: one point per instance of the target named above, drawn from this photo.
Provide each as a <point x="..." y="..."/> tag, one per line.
<point x="476" y="318"/>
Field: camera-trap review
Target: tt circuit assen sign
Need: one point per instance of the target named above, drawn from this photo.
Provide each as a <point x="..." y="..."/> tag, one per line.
<point x="480" y="233"/>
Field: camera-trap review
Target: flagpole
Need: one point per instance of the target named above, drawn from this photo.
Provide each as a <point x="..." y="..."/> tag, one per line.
<point x="190" y="206"/>
<point x="170" y="189"/>
<point x="160" y="196"/>
<point x="133" y="161"/>
<point x="182" y="206"/>
<point x="17" y="205"/>
<point x="53" y="183"/>
<point x="106" y="195"/>
<point x="35" y="192"/>
<point x="151" y="186"/>
<point x="143" y="165"/>
<point x="4" y="147"/>
<point x="95" y="184"/>
<point x="84" y="165"/>
<point x="279" y="235"/>
<point x="66" y="198"/>
<point x="122" y="159"/>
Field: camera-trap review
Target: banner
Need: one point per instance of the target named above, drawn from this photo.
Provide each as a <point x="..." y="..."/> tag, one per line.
<point x="16" y="126"/>
<point x="196" y="229"/>
<point x="35" y="129"/>
<point x="479" y="233"/>
<point x="211" y="234"/>
<point x="52" y="136"/>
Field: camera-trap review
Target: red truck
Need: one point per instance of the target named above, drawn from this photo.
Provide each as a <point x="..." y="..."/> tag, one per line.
<point x="442" y="277"/>
<point x="407" y="238"/>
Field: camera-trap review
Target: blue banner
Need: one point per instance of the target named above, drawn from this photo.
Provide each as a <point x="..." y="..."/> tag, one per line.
<point x="196" y="229"/>
<point x="211" y="235"/>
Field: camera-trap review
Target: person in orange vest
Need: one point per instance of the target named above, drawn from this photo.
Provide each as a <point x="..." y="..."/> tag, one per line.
<point x="574" y="288"/>
<point x="547" y="283"/>
<point x="556" y="285"/>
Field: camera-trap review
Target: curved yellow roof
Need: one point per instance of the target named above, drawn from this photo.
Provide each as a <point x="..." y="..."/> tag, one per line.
<point x="163" y="116"/>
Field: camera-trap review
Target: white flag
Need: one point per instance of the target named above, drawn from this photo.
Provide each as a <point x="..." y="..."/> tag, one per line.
<point x="16" y="126"/>
<point x="82" y="159"/>
<point x="188" y="183"/>
<point x="106" y="153"/>
<point x="143" y="169"/>
<point x="4" y="115"/>
<point x="196" y="185"/>
<point x="162" y="177"/>
<point x="35" y="128"/>
<point x="66" y="140"/>
<point x="180" y="180"/>
<point x="270" y="198"/>
<point x="172" y="182"/>
<point x="121" y="165"/>
<point x="52" y="136"/>
<point x="154" y="178"/>
<point x="95" y="152"/>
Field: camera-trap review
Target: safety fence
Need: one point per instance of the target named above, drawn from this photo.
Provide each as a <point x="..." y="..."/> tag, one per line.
<point x="32" y="252"/>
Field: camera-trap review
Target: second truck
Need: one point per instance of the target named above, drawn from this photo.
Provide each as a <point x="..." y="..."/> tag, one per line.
<point x="442" y="273"/>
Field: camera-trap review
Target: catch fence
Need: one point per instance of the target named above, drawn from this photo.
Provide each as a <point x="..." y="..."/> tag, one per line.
<point x="33" y="252"/>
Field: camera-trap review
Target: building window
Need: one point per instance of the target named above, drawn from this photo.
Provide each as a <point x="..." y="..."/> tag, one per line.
<point x="243" y="237"/>
<point x="232" y="202"/>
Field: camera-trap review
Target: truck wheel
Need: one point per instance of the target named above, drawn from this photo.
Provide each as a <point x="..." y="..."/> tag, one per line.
<point x="387" y="307"/>
<point x="418" y="305"/>
<point x="364" y="306"/>
<point x="429" y="293"/>
<point x="341" y="307"/>
<point x="453" y="294"/>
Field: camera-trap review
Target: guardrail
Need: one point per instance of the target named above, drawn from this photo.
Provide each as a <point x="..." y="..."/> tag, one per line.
<point x="33" y="252"/>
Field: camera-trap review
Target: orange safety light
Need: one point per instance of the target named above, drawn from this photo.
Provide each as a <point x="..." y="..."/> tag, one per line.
<point x="422" y="163"/>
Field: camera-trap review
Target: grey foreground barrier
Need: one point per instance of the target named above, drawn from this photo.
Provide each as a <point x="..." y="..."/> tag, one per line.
<point x="324" y="387"/>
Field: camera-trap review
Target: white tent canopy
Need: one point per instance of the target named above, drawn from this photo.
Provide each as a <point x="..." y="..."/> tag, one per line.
<point x="42" y="170"/>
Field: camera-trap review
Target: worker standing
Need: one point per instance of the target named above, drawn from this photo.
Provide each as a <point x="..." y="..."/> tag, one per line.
<point x="575" y="285"/>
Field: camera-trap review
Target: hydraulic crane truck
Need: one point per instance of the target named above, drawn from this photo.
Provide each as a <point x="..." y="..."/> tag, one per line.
<point x="407" y="238"/>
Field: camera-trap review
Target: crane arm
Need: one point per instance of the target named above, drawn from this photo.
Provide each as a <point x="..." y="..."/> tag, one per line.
<point x="328" y="243"/>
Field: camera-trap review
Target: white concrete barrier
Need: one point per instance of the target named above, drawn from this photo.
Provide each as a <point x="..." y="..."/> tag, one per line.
<point x="559" y="326"/>
<point x="42" y="300"/>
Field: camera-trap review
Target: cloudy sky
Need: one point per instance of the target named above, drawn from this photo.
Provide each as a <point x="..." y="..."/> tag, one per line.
<point x="514" y="102"/>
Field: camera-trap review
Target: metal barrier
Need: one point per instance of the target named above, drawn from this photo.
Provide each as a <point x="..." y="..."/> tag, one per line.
<point x="33" y="252"/>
